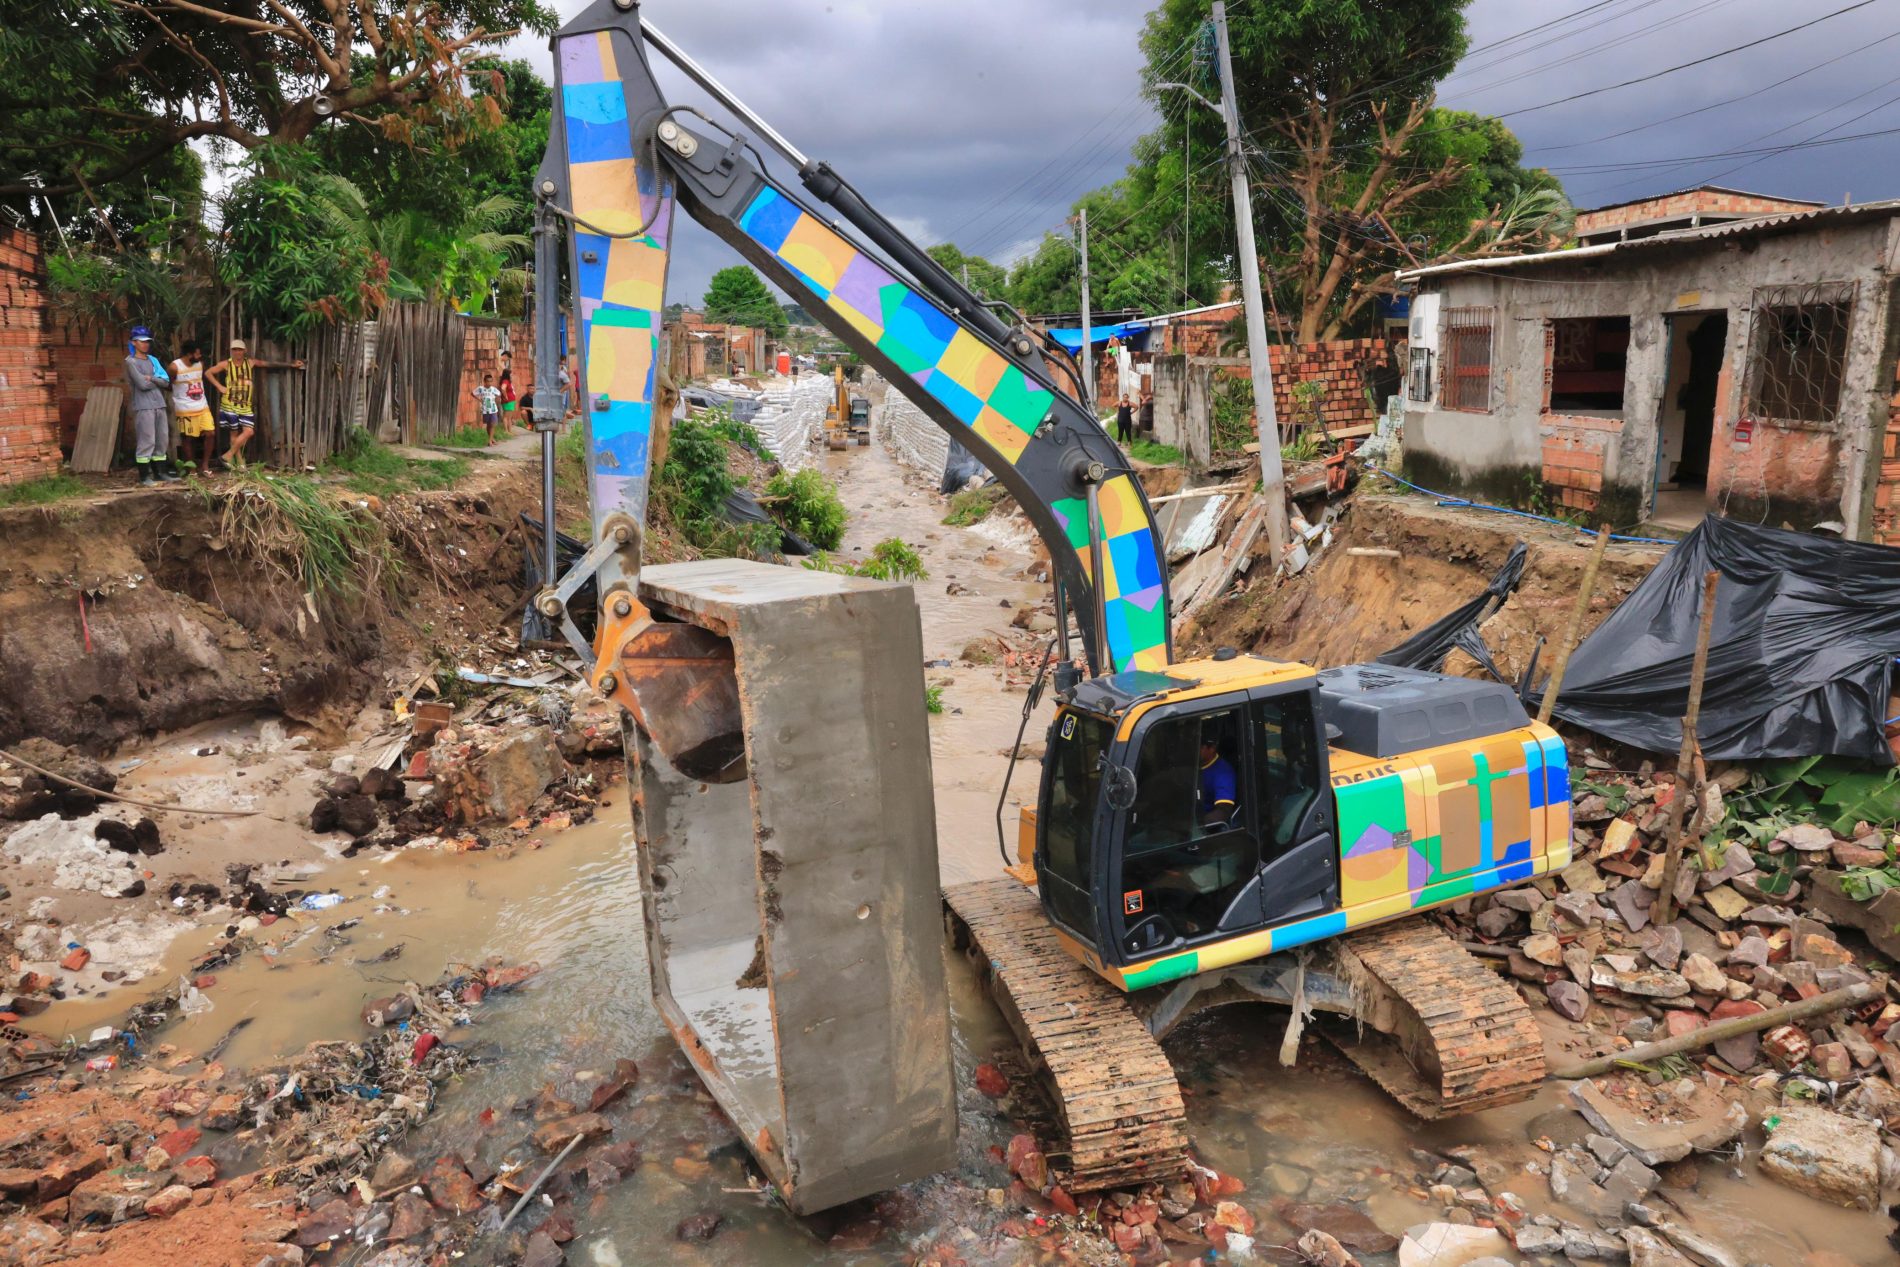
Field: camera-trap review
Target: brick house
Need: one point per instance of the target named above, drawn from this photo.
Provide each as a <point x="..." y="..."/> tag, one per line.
<point x="1746" y="367"/>
<point x="1703" y="206"/>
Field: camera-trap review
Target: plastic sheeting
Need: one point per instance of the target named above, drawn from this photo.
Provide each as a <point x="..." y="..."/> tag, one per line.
<point x="1800" y="655"/>
<point x="959" y="468"/>
<point x="1428" y="648"/>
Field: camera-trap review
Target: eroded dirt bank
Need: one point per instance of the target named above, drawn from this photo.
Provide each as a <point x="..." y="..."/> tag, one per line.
<point x="141" y="612"/>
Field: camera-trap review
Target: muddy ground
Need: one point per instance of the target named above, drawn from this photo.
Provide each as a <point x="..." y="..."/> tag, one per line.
<point x="1318" y="1138"/>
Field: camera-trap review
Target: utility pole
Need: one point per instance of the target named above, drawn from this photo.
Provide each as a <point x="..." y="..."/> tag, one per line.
<point x="1088" y="337"/>
<point x="1272" y="475"/>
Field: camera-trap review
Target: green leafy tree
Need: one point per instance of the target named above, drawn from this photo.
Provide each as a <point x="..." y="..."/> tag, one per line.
<point x="294" y="248"/>
<point x="990" y="281"/>
<point x="1356" y="172"/>
<point x="132" y="81"/>
<point x="739" y="296"/>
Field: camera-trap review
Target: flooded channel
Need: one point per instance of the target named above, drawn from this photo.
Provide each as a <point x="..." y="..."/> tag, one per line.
<point x="1317" y="1134"/>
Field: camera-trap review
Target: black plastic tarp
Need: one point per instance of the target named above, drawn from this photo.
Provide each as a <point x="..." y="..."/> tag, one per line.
<point x="1800" y="655"/>
<point x="959" y="468"/>
<point x="1427" y="648"/>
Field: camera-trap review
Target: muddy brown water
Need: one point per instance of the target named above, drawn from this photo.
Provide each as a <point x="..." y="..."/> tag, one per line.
<point x="1318" y="1133"/>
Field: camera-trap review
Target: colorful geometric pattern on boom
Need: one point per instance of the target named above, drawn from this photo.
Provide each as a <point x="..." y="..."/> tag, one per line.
<point x="620" y="282"/>
<point x="999" y="405"/>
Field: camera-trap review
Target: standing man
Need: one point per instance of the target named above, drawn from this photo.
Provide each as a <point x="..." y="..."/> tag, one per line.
<point x="191" y="406"/>
<point x="235" y="377"/>
<point x="1124" y="422"/>
<point x="151" y="424"/>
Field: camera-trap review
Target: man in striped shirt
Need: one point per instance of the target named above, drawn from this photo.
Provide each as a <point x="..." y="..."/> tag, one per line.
<point x="235" y="379"/>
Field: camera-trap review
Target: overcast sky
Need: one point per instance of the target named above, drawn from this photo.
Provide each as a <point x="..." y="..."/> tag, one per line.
<point x="981" y="121"/>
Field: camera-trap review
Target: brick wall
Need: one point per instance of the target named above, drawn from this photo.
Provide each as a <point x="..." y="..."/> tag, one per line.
<point x="29" y="422"/>
<point x="1688" y="203"/>
<point x="1887" y="491"/>
<point x="481" y="354"/>
<point x="1342" y="368"/>
<point x="1574" y="450"/>
<point x="82" y="358"/>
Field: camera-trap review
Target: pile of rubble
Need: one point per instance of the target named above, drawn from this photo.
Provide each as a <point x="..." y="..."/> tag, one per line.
<point x="92" y="1157"/>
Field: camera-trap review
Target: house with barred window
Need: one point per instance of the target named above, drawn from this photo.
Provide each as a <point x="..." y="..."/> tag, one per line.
<point x="1705" y="351"/>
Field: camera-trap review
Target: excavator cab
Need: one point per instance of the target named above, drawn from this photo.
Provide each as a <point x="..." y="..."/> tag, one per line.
<point x="1174" y="814"/>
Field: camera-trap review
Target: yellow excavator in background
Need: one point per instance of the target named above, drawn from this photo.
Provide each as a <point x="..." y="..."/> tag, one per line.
<point x="1205" y="831"/>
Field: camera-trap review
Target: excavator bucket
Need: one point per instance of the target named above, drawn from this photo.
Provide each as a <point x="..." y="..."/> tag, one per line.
<point x="789" y="877"/>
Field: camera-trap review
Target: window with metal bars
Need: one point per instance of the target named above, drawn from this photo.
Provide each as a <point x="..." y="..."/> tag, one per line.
<point x="1464" y="375"/>
<point x="1797" y="352"/>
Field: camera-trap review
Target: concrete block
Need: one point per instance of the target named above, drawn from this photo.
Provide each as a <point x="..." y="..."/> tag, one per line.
<point x="793" y="916"/>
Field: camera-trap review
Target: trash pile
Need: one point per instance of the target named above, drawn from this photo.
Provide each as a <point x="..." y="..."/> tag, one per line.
<point x="91" y="1161"/>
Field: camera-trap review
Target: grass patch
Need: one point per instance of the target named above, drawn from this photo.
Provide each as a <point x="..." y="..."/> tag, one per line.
<point x="973" y="505"/>
<point x="1302" y="448"/>
<point x="336" y="553"/>
<point x="43" y="491"/>
<point x="933" y="698"/>
<point x="1155" y="454"/>
<point x="890" y="560"/>
<point x="466" y="438"/>
<point x="372" y="467"/>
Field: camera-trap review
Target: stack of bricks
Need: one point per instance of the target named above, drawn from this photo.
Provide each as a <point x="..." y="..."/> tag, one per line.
<point x="481" y="354"/>
<point x="1886" y="523"/>
<point x="29" y="423"/>
<point x="1342" y="368"/>
<point x="1573" y="465"/>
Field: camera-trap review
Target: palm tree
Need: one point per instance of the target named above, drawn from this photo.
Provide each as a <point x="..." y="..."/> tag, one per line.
<point x="427" y="261"/>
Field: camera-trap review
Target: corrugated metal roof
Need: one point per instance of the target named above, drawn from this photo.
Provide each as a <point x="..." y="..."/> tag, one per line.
<point x="1881" y="210"/>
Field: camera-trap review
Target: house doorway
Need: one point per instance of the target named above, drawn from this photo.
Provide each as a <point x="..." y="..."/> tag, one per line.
<point x="1698" y="344"/>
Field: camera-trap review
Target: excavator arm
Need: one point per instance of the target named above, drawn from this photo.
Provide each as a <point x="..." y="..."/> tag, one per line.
<point x="621" y="160"/>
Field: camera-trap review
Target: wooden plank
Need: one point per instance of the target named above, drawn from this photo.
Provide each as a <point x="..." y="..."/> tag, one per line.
<point x="98" y="431"/>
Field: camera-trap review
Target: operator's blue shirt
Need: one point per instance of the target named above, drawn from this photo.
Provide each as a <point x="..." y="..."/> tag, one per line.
<point x="1217" y="785"/>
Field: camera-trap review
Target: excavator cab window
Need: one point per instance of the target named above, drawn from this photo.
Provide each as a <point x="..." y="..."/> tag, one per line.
<point x="1189" y="845"/>
<point x="1070" y="796"/>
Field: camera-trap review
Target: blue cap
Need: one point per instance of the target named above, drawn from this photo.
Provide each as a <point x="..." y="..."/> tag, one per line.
<point x="140" y="332"/>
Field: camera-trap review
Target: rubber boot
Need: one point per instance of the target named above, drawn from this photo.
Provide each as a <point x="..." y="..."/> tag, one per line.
<point x="165" y="472"/>
<point x="146" y="478"/>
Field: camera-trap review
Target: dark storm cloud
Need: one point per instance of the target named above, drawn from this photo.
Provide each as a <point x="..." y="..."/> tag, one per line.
<point x="947" y="115"/>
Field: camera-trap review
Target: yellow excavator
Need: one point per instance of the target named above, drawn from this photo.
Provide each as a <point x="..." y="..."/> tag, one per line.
<point x="1204" y="831"/>
<point x="848" y="417"/>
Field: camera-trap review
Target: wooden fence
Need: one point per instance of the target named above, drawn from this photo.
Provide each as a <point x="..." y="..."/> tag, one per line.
<point x="416" y="383"/>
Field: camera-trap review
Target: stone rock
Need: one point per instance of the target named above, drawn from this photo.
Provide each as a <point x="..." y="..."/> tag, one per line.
<point x="1806" y="837"/>
<point x="1586" y="1246"/>
<point x="1631" y="901"/>
<point x="1653" y="984"/>
<point x="176" y="1144"/>
<point x="1664" y="948"/>
<point x="328" y="1222"/>
<point x="1342" y="1223"/>
<point x="1700" y="1249"/>
<point x="61" y="1175"/>
<point x="1523" y="900"/>
<point x="1832" y="1062"/>
<point x="1725" y="902"/>
<point x="105" y="1199"/>
<point x="552" y="1137"/>
<point x="1826" y="1155"/>
<point x="1618" y="837"/>
<point x="1708" y="1123"/>
<point x="1573" y="1181"/>
<point x="1682" y="1021"/>
<point x="168" y="1201"/>
<point x="500" y="781"/>
<point x="1581" y="876"/>
<point x="1750" y="952"/>
<point x="617" y="1084"/>
<point x="1701" y="973"/>
<point x="293" y="1256"/>
<point x="1580" y="910"/>
<point x="451" y="1187"/>
<point x="697" y="1227"/>
<point x="1543" y="948"/>
<point x="1321" y="1250"/>
<point x="393" y="1170"/>
<point x="542" y="1251"/>
<point x="24" y="1239"/>
<point x="1822" y="952"/>
<point x="1289" y="1181"/>
<point x="1570" y="1000"/>
<point x="1646" y="1249"/>
<point x="224" y="1113"/>
<point x="1629" y="1180"/>
<point x="1450" y="1245"/>
<point x="1497" y="921"/>
<point x="1858" y="855"/>
<point x="411" y="1216"/>
<point x="1535" y="1240"/>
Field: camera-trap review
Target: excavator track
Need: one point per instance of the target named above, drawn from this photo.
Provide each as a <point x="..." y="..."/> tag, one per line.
<point x="1465" y="1040"/>
<point x="1114" y="1091"/>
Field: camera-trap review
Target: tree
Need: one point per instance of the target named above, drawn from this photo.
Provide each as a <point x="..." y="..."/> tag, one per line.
<point x="1356" y="172"/>
<point x="739" y="296"/>
<point x="989" y="281"/>
<point x="152" y="75"/>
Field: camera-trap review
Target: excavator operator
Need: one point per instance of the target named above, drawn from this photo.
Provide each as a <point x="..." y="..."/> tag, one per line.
<point x="1218" y="786"/>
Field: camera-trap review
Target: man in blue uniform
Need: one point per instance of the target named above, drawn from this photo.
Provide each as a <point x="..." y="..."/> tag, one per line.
<point x="1219" y="795"/>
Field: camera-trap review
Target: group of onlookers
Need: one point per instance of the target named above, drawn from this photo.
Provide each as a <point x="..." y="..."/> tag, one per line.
<point x="187" y="415"/>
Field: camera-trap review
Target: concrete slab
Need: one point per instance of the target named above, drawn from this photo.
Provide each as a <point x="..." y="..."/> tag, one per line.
<point x="793" y="912"/>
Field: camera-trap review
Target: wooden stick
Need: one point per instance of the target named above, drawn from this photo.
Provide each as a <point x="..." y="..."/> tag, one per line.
<point x="535" y="1187"/>
<point x="1734" y="1027"/>
<point x="1685" y="759"/>
<point x="1574" y="633"/>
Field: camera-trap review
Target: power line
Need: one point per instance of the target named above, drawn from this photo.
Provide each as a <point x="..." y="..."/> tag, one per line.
<point x="1700" y="61"/>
